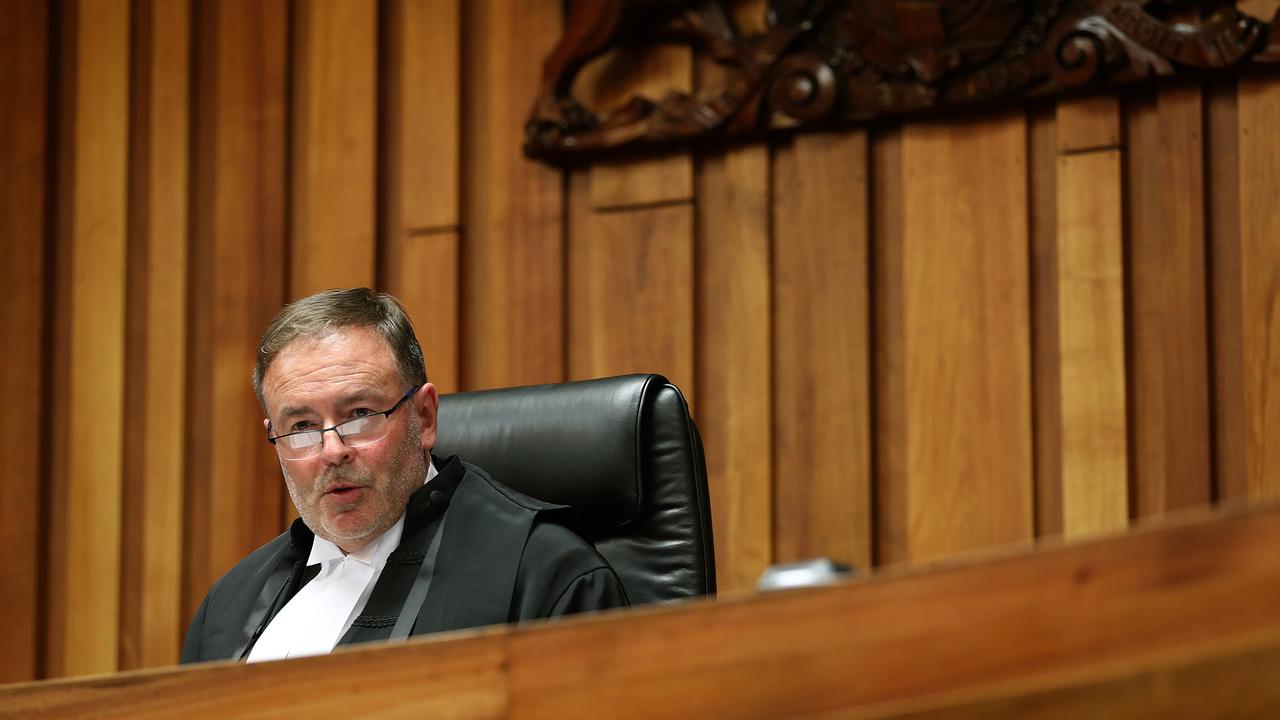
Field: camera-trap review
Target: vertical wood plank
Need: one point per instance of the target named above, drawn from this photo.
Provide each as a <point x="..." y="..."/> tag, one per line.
<point x="84" y="562"/>
<point x="630" y="290"/>
<point x="423" y="274"/>
<point x="333" y="134"/>
<point x="889" y="340"/>
<point x="1230" y="474"/>
<point x="966" y="332"/>
<point x="733" y="359"/>
<point x="234" y="492"/>
<point x="513" y="326"/>
<point x="24" y="169"/>
<point x="1090" y="284"/>
<point x="1258" y="115"/>
<point x="1091" y="331"/>
<point x="1089" y="123"/>
<point x="1043" y="148"/>
<point x="151" y="619"/>
<point x="1168" y="270"/>
<point x="732" y="349"/>
<point x="421" y="126"/>
<point x="821" y="317"/>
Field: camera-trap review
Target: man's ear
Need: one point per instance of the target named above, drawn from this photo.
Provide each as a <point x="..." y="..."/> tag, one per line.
<point x="266" y="423"/>
<point x="427" y="402"/>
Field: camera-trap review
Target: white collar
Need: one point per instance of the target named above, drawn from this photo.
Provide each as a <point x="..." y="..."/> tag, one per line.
<point x="375" y="551"/>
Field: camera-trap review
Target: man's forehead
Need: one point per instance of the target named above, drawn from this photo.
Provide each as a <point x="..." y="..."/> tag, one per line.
<point x="345" y="355"/>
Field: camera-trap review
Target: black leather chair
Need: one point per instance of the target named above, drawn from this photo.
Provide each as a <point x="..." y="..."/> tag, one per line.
<point x="622" y="452"/>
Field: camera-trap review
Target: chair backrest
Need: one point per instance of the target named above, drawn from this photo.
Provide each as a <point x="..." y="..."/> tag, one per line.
<point x="622" y="452"/>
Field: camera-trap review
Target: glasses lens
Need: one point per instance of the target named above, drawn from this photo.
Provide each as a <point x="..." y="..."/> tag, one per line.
<point x="300" y="444"/>
<point x="363" y="431"/>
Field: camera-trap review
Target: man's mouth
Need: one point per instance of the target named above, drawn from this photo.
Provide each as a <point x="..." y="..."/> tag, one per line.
<point x="342" y="491"/>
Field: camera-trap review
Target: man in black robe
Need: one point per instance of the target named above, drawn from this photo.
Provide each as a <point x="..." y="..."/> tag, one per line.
<point x="392" y="541"/>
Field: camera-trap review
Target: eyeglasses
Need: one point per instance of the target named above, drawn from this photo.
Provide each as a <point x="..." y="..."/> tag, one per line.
<point x="357" y="432"/>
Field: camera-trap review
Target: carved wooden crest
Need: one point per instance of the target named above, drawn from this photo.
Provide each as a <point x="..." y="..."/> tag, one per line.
<point x="832" y="61"/>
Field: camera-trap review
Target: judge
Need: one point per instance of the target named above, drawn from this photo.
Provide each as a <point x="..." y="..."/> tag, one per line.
<point x="392" y="541"/>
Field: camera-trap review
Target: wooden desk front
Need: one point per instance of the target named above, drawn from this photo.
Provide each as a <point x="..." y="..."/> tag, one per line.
<point x="1179" y="621"/>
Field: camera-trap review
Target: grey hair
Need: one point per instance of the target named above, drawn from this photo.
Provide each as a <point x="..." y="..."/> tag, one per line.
<point x="320" y="315"/>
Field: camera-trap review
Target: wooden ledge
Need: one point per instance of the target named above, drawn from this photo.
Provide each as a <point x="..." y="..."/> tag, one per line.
<point x="1197" y="596"/>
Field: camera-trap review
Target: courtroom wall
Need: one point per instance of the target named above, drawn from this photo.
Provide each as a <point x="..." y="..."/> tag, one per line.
<point x="899" y="342"/>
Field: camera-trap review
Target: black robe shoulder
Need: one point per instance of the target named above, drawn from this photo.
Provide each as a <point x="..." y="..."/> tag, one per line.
<point x="482" y="553"/>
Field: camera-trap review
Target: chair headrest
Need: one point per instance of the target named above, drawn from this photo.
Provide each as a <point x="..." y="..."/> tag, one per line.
<point x="576" y="443"/>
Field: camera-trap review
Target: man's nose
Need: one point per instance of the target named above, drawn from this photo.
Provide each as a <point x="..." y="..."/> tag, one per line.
<point x="333" y="449"/>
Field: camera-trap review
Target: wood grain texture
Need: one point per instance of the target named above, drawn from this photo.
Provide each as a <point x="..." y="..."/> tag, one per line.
<point x="1234" y="679"/>
<point x="24" y="172"/>
<point x="512" y="319"/>
<point x="821" y="349"/>
<point x="1258" y="114"/>
<point x="1042" y="143"/>
<point x="888" y="339"/>
<point x="956" y="628"/>
<point x="1089" y="123"/>
<point x="465" y="681"/>
<point x="422" y="75"/>
<point x="610" y="81"/>
<point x="234" y="492"/>
<point x="1231" y="481"/>
<point x="630" y="290"/>
<point x="1092" y="350"/>
<point x="734" y="362"/>
<point x="151" y="619"/>
<point x="966" y="330"/>
<point x="423" y="274"/>
<point x="333" y="146"/>
<point x="84" y="562"/>
<point x="1168" y="271"/>
<point x="419" y="244"/>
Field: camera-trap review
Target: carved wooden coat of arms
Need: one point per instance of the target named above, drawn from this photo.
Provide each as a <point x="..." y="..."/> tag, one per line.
<point x="822" y="62"/>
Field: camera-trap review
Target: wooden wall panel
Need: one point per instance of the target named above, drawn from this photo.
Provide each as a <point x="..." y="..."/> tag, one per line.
<point x="418" y="246"/>
<point x="512" y="319"/>
<point x="1042" y="148"/>
<point x="84" y="562"/>
<point x="821" y="349"/>
<point x="734" y="364"/>
<point x="1091" y="327"/>
<point x="630" y="290"/>
<point x="234" y="491"/>
<point x="24" y="172"/>
<point x="1091" y="318"/>
<point x="1223" y="200"/>
<point x="151" y="620"/>
<point x="888" y="370"/>
<point x="333" y="135"/>
<point x="966" y="336"/>
<point x="1259" y="185"/>
<point x="1168" y="270"/>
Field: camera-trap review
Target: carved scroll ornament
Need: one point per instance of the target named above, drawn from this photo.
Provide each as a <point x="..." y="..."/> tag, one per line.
<point x="821" y="62"/>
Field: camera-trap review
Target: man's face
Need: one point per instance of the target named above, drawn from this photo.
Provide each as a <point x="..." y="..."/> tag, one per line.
<point x="349" y="495"/>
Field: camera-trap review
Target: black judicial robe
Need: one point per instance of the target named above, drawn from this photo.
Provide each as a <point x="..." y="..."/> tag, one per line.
<point x="481" y="552"/>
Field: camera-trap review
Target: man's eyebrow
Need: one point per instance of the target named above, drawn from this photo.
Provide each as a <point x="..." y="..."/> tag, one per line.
<point x="363" y="395"/>
<point x="358" y="396"/>
<point x="294" y="410"/>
